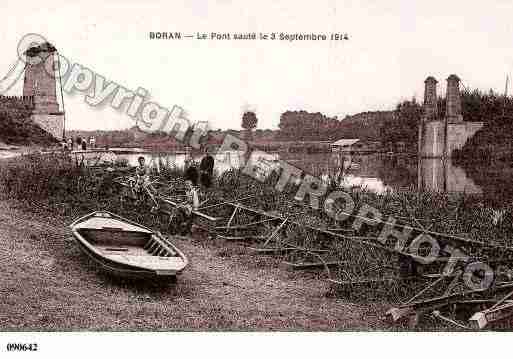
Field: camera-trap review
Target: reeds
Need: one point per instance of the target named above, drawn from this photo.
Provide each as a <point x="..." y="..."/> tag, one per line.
<point x="65" y="187"/>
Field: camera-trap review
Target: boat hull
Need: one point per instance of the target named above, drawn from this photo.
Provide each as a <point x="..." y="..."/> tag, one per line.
<point x="129" y="250"/>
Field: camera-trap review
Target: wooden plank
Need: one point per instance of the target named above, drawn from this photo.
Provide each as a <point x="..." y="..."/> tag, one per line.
<point x="432" y="233"/>
<point x="238" y="238"/>
<point x="398" y="313"/>
<point x="196" y="213"/>
<point x="312" y="265"/>
<point x="438" y="315"/>
<point x="324" y="231"/>
<point x="429" y="286"/>
<point x="227" y="202"/>
<point x="247" y="225"/>
<point x="276" y="231"/>
<point x="502" y="300"/>
<point x="438" y="302"/>
<point x="340" y="230"/>
<point x="231" y="218"/>
<point x="369" y="281"/>
<point x="285" y="249"/>
<point x="362" y="240"/>
<point x="483" y="318"/>
<point x="270" y="250"/>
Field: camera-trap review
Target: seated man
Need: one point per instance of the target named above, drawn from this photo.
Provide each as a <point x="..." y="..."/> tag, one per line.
<point x="142" y="173"/>
<point x="142" y="185"/>
<point x="141" y="177"/>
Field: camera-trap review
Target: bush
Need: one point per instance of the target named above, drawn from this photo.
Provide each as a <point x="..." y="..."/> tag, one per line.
<point x="55" y="181"/>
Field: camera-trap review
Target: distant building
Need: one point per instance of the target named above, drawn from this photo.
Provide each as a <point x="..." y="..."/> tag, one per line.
<point x="401" y="147"/>
<point x="355" y="145"/>
<point x="344" y="145"/>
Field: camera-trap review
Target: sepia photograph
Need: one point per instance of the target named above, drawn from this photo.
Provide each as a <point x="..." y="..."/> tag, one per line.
<point x="329" y="170"/>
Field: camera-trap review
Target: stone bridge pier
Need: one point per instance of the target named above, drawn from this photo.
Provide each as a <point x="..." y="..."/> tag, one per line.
<point x="439" y="137"/>
<point x="41" y="86"/>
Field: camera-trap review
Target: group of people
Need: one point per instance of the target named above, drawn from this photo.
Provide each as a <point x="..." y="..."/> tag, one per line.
<point x="192" y="176"/>
<point x="68" y="144"/>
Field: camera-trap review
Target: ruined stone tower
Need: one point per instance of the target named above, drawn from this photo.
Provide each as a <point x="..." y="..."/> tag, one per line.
<point x="439" y="137"/>
<point x="453" y="107"/>
<point x="430" y="105"/>
<point x="40" y="84"/>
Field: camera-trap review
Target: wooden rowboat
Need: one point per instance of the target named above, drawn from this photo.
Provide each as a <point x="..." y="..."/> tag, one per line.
<point x="127" y="249"/>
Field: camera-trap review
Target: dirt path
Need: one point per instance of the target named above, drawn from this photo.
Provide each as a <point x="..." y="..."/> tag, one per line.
<point x="48" y="284"/>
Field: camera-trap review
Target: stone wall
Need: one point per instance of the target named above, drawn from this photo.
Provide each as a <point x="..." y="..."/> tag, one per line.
<point x="459" y="133"/>
<point x="433" y="139"/>
<point x="41" y="86"/>
<point x="16" y="102"/>
<point x="453" y="100"/>
<point x="430" y="99"/>
<point x="51" y="123"/>
<point x="434" y="143"/>
<point x="438" y="138"/>
<point x="38" y="81"/>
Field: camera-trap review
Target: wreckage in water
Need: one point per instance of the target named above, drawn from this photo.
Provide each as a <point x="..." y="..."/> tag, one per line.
<point x="127" y="249"/>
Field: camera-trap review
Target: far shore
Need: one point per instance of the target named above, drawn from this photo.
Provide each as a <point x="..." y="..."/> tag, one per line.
<point x="11" y="151"/>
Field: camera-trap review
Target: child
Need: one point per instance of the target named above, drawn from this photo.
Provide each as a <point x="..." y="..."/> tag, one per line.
<point x="142" y="183"/>
<point x="186" y="208"/>
<point x="142" y="172"/>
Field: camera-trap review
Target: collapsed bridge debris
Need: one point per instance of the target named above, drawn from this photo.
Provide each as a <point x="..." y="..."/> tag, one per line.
<point x="366" y="256"/>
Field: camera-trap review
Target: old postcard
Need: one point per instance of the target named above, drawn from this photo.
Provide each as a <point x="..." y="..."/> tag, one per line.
<point x="272" y="166"/>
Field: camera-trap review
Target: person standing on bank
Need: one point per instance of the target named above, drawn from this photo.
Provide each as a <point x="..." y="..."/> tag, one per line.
<point x="206" y="169"/>
<point x="186" y="208"/>
<point x="191" y="172"/>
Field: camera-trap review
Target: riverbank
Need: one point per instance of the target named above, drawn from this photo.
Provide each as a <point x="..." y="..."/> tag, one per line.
<point x="227" y="287"/>
<point x="48" y="284"/>
<point x="10" y="151"/>
<point x="7" y="151"/>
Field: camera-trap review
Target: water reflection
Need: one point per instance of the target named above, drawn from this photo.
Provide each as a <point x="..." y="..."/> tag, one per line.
<point x="376" y="172"/>
<point x="379" y="172"/>
<point x="223" y="160"/>
<point x="439" y="175"/>
<point x="369" y="183"/>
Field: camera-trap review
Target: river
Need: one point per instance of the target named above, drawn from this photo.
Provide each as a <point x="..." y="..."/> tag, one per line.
<point x="376" y="172"/>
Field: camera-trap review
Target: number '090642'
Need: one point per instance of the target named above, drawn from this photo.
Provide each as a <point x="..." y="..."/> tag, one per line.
<point x="21" y="347"/>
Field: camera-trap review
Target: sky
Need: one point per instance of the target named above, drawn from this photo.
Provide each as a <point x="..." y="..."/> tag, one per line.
<point x="393" y="46"/>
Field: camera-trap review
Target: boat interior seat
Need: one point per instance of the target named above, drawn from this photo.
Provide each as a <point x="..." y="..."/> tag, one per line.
<point x="119" y="241"/>
<point x="115" y="238"/>
<point x="154" y="248"/>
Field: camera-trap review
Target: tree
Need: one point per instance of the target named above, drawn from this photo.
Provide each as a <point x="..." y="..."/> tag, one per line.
<point x="403" y="126"/>
<point x="249" y="122"/>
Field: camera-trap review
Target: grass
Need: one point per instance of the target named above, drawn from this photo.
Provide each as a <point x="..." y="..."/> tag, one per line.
<point x="17" y="128"/>
<point x="70" y="188"/>
<point x="56" y="185"/>
<point x="49" y="285"/>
